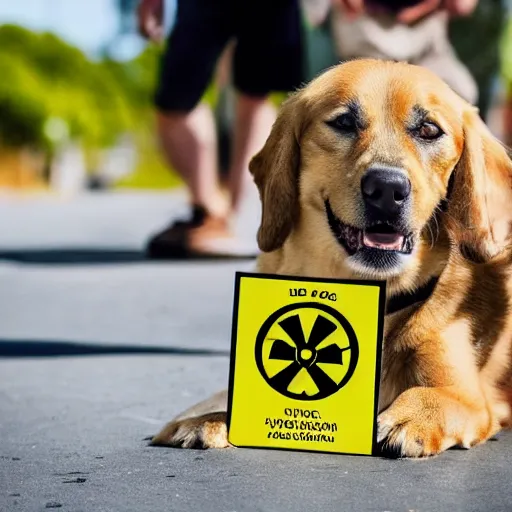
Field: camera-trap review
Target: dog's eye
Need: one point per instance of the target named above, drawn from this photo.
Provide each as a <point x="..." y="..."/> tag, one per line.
<point x="429" y="131"/>
<point x="344" y="123"/>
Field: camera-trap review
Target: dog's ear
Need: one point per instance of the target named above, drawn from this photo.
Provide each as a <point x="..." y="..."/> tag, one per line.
<point x="480" y="206"/>
<point x="275" y="170"/>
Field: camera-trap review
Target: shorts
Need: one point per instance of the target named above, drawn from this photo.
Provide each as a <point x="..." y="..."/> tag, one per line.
<point x="268" y="54"/>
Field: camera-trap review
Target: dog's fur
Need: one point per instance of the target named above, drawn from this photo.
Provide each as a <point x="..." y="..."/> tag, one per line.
<point x="447" y="362"/>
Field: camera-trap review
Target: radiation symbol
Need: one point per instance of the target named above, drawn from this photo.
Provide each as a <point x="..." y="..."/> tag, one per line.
<point x="306" y="351"/>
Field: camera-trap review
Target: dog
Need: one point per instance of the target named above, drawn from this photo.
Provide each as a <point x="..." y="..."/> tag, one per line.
<point x="378" y="170"/>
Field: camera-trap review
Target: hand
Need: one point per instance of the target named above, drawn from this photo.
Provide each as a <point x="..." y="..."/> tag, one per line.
<point x="460" y="7"/>
<point x="150" y="16"/>
<point x="453" y="7"/>
<point x="351" y="8"/>
<point x="418" y="11"/>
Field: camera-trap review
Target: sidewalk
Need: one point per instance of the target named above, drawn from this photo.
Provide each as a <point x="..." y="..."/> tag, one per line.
<point x="97" y="351"/>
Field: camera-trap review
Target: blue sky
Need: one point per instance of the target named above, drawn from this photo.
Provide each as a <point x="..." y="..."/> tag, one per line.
<point x="86" y="23"/>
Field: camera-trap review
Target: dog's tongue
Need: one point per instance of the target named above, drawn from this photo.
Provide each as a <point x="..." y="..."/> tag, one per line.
<point x="387" y="241"/>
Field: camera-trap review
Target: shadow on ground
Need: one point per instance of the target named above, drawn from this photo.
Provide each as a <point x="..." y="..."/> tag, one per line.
<point x="45" y="348"/>
<point x="100" y="257"/>
<point x="73" y="256"/>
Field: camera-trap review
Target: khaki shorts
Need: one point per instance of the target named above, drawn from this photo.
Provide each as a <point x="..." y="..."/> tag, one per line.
<point x="425" y="43"/>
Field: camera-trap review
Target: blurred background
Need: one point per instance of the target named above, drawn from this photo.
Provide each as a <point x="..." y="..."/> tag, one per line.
<point x="77" y="83"/>
<point x="75" y="98"/>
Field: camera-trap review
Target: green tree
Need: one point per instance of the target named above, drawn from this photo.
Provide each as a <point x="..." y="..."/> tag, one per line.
<point x="43" y="78"/>
<point x="477" y="41"/>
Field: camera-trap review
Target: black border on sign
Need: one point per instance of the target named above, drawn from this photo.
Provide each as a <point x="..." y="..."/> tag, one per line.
<point x="378" y="360"/>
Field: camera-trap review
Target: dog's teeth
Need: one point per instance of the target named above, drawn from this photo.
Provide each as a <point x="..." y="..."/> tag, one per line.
<point x="407" y="245"/>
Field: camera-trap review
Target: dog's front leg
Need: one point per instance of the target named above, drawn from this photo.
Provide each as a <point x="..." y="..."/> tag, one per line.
<point x="446" y="404"/>
<point x="426" y="421"/>
<point x="201" y="426"/>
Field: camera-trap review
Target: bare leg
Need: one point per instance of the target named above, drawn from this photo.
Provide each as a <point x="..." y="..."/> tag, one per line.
<point x="189" y="143"/>
<point x="254" y="119"/>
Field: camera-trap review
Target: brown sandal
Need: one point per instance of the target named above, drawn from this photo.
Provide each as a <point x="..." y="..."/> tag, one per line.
<point x="203" y="236"/>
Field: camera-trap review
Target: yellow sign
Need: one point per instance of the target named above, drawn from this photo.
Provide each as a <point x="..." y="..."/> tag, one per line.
<point x="305" y="363"/>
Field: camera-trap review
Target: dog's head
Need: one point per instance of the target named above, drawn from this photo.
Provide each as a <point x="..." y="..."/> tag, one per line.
<point x="369" y="156"/>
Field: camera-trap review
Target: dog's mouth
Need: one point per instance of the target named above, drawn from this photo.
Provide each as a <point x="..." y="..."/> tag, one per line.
<point x="380" y="236"/>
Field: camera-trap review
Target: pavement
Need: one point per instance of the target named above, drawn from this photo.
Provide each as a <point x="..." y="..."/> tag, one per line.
<point x="99" y="348"/>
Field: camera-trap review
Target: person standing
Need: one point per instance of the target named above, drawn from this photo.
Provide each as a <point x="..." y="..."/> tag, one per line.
<point x="267" y="57"/>
<point x="415" y="31"/>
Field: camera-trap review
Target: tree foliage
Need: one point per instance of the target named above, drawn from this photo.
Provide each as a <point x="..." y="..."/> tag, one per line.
<point x="506" y="54"/>
<point x="44" y="78"/>
<point x="477" y="41"/>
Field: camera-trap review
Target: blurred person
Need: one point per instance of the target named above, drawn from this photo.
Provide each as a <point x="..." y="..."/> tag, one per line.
<point x="507" y="118"/>
<point x="267" y="57"/>
<point x="415" y="31"/>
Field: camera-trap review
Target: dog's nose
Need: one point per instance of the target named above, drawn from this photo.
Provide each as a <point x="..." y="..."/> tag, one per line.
<point x="385" y="189"/>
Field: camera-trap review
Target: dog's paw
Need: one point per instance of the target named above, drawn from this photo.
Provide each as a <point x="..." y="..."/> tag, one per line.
<point x="424" y="422"/>
<point x="408" y="437"/>
<point x="206" y="431"/>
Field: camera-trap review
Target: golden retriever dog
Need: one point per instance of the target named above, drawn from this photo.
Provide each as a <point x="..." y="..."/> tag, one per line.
<point x="378" y="170"/>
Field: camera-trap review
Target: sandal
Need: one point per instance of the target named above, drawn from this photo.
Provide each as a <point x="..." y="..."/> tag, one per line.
<point x="202" y="236"/>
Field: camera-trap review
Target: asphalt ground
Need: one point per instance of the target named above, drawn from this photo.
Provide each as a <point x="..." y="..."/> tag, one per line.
<point x="99" y="348"/>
